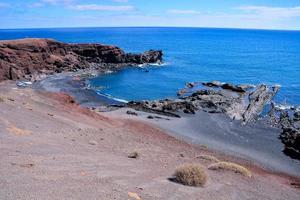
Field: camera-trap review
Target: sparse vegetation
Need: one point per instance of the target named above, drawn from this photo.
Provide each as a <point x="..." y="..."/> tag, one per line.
<point x="134" y="155"/>
<point x="208" y="157"/>
<point x="231" y="167"/>
<point x="191" y="175"/>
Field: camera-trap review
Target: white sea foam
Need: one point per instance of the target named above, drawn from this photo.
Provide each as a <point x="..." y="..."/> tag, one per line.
<point x="287" y="107"/>
<point x="111" y="97"/>
<point x="158" y="64"/>
<point x="108" y="72"/>
<point x="142" y="65"/>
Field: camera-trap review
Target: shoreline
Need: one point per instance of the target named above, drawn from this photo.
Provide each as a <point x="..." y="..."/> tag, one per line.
<point x="241" y="148"/>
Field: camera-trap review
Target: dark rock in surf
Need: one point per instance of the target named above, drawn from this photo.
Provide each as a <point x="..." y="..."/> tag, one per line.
<point x="213" y="84"/>
<point x="233" y="88"/>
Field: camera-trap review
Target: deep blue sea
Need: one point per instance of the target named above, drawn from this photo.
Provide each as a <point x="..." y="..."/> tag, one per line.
<point x="191" y="54"/>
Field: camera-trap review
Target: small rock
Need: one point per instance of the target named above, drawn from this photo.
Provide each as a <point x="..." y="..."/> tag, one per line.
<point x="134" y="155"/>
<point x="131" y="113"/>
<point x="190" y="85"/>
<point x="297" y="116"/>
<point x="93" y="142"/>
<point x="150" y="117"/>
<point x="181" y="92"/>
<point x="29" y="165"/>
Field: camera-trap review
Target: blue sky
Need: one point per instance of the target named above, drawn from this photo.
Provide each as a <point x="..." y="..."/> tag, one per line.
<point x="262" y="14"/>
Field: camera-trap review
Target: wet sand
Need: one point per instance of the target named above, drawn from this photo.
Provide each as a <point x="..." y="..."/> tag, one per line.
<point x="256" y="142"/>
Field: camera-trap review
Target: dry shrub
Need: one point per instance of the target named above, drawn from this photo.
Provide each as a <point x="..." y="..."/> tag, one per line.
<point x="231" y="167"/>
<point x="191" y="175"/>
<point x="208" y="157"/>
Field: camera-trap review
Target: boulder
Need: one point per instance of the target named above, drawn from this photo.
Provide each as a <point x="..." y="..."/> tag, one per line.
<point x="290" y="137"/>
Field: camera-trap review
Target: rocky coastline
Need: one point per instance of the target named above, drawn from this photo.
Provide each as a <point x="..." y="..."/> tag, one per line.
<point x="27" y="59"/>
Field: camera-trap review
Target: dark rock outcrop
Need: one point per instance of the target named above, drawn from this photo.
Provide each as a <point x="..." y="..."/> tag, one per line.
<point x="290" y="135"/>
<point x="23" y="59"/>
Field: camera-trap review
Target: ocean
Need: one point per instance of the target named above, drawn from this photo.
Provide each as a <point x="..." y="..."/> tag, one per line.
<point x="190" y="54"/>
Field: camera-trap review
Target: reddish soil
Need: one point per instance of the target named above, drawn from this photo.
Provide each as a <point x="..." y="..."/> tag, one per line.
<point x="51" y="148"/>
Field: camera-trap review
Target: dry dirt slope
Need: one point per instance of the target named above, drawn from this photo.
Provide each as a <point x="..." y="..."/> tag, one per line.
<point x="50" y="148"/>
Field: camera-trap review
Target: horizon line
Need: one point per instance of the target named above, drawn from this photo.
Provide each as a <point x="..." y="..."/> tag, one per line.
<point x="196" y="27"/>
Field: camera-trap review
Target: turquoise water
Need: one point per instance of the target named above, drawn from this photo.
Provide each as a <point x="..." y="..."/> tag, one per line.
<point x="191" y="54"/>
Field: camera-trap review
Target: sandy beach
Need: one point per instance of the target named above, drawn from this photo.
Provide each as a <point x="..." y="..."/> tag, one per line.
<point x="52" y="148"/>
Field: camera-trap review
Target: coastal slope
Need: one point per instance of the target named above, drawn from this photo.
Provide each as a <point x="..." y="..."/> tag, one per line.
<point x="52" y="148"/>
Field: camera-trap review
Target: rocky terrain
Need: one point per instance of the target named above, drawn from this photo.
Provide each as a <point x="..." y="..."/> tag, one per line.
<point x="28" y="58"/>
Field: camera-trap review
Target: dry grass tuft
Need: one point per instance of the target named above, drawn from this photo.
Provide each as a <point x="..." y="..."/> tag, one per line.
<point x="231" y="167"/>
<point x="134" y="154"/>
<point x="191" y="175"/>
<point x="208" y="157"/>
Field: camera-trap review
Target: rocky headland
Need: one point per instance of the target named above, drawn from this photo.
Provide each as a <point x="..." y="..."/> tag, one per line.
<point x="29" y="58"/>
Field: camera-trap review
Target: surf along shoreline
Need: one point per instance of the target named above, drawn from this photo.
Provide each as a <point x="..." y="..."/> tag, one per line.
<point x="75" y="85"/>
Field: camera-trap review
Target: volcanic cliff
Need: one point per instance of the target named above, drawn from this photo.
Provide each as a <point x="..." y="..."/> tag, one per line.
<point x="26" y="58"/>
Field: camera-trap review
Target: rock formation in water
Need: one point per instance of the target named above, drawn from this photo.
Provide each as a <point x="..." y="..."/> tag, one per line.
<point x="240" y="102"/>
<point x="257" y="100"/>
<point x="26" y="58"/>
